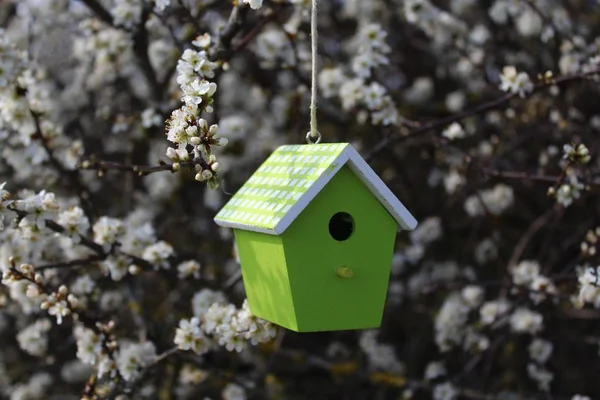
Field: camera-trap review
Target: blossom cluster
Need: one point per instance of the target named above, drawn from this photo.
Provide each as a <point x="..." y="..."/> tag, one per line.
<point x="223" y="325"/>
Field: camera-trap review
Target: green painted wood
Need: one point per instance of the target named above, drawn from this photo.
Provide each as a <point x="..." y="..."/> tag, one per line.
<point x="265" y="276"/>
<point x="322" y="300"/>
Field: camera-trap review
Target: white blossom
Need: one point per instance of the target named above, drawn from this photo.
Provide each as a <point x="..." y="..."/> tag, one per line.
<point x="578" y="153"/>
<point x="568" y="191"/>
<point x="107" y="231"/>
<point x="116" y="266"/>
<point x="589" y="286"/>
<point x="491" y="311"/>
<point x="515" y="82"/>
<point x="473" y="295"/>
<point x="151" y="118"/>
<point x="89" y="345"/>
<point x="12" y="61"/>
<point x="75" y="223"/>
<point x="254" y="4"/>
<point x="161" y="5"/>
<point x="205" y="298"/>
<point x="35" y="389"/>
<point x="189" y="269"/>
<point x="450" y="322"/>
<point x="189" y="336"/>
<point x="453" y="180"/>
<point x="158" y="254"/>
<point x="445" y="391"/>
<point x="33" y="339"/>
<point x="202" y="41"/>
<point x="427" y="231"/>
<point x="133" y="357"/>
<point x="330" y="81"/>
<point x="39" y="208"/>
<point x="486" y="251"/>
<point x="525" y="272"/>
<point x="253" y="328"/>
<point x="195" y="92"/>
<point x="6" y="214"/>
<point x="495" y="201"/>
<point x="454" y="131"/>
<point x="540" y="350"/>
<point x="524" y="320"/>
<point x="233" y="391"/>
<point x="540" y="375"/>
<point x="381" y="356"/>
<point x="57" y="307"/>
<point x="83" y="285"/>
<point x="435" y="370"/>
<point x="127" y="13"/>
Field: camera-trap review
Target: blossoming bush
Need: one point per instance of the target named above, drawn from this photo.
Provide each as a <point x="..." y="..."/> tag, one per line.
<point x="126" y="124"/>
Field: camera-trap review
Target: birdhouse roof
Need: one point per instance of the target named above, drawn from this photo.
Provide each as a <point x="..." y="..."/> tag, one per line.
<point x="278" y="192"/>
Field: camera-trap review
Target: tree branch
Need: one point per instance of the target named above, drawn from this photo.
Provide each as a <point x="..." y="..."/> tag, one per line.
<point x="98" y="9"/>
<point x="491" y="105"/>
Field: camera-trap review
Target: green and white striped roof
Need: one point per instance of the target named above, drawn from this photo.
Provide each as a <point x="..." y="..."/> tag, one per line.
<point x="291" y="178"/>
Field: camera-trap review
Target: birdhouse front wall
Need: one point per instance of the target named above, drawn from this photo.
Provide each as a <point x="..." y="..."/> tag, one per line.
<point x="322" y="299"/>
<point x="265" y="275"/>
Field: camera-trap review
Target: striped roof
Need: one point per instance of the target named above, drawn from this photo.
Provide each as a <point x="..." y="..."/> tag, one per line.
<point x="290" y="178"/>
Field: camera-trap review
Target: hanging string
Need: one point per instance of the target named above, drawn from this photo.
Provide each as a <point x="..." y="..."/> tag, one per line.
<point x="313" y="136"/>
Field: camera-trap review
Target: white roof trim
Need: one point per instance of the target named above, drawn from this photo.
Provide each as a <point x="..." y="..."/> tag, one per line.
<point x="364" y="172"/>
<point x="380" y="190"/>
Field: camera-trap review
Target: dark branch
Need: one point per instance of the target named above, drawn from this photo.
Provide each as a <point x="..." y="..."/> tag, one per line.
<point x="491" y="105"/>
<point x="98" y="9"/>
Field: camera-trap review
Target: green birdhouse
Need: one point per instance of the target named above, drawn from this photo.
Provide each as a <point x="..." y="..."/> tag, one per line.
<point x="315" y="229"/>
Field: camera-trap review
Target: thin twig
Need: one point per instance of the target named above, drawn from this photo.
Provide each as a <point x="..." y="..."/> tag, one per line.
<point x="73" y="263"/>
<point x="141" y="169"/>
<point x="233" y="280"/>
<point x="538" y="224"/>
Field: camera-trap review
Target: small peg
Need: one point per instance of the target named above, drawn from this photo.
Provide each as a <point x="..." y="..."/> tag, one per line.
<point x="344" y="272"/>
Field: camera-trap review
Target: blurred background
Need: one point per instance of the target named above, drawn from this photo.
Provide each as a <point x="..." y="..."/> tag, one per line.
<point x="480" y="116"/>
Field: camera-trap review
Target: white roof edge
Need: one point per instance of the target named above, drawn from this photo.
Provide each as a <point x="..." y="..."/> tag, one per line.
<point x="380" y="190"/>
<point x="244" y="227"/>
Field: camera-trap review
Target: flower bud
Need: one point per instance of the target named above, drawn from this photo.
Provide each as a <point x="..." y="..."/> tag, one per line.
<point x="203" y="125"/>
<point x="172" y="154"/>
<point x="134" y="269"/>
<point x="207" y="174"/>
<point x="26" y="268"/>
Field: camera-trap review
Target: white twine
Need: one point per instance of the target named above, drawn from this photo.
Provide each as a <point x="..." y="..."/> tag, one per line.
<point x="314" y="133"/>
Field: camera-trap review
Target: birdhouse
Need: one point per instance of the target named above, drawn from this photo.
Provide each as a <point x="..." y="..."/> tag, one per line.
<point x="315" y="229"/>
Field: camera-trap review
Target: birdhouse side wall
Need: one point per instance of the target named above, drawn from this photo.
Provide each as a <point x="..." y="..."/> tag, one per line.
<point x="266" y="281"/>
<point x="323" y="300"/>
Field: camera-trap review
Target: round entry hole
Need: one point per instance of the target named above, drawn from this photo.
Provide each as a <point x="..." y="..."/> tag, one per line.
<point x="341" y="226"/>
